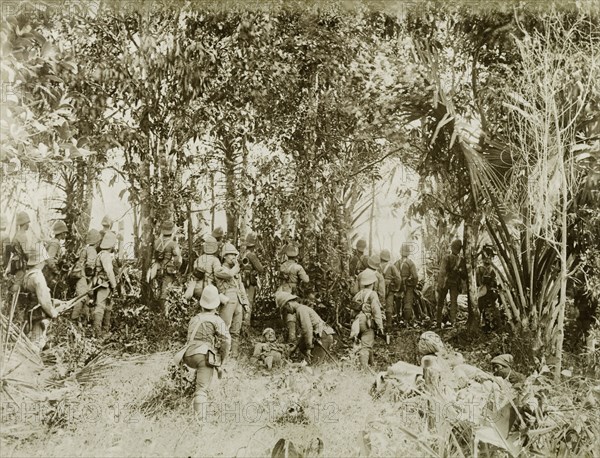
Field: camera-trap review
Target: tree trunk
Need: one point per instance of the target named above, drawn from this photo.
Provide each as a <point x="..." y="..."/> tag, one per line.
<point x="230" y="189"/>
<point x="371" y="218"/>
<point x="470" y="250"/>
<point x="147" y="230"/>
<point x="560" y="324"/>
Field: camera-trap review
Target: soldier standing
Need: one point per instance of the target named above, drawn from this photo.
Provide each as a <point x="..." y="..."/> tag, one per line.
<point x="229" y="283"/>
<point x="451" y="272"/>
<point x="313" y="327"/>
<point x="392" y="280"/>
<point x="36" y="292"/>
<point x="373" y="264"/>
<point x="104" y="275"/>
<point x="488" y="290"/>
<point x="84" y="272"/>
<point x="205" y="267"/>
<point x="206" y="332"/>
<point x="55" y="252"/>
<point x="167" y="255"/>
<point x="106" y="224"/>
<point x="291" y="273"/>
<point x="358" y="261"/>
<point x="410" y="278"/>
<point x="251" y="268"/>
<point x="369" y="320"/>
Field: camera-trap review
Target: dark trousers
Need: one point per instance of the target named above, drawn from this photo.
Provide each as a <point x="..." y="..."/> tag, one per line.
<point x="441" y="302"/>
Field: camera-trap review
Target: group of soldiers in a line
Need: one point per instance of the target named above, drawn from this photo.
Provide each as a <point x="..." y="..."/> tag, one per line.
<point x="31" y="266"/>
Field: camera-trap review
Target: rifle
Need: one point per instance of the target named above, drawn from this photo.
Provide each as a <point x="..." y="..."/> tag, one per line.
<point x="68" y="304"/>
<point x="318" y="342"/>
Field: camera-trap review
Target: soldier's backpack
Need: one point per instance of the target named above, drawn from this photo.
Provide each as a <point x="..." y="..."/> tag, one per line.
<point x="18" y="258"/>
<point x="406" y="273"/>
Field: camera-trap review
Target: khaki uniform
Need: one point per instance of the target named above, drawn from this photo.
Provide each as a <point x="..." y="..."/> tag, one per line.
<point x="232" y="313"/>
<point x="168" y="256"/>
<point x="379" y="287"/>
<point x="369" y="320"/>
<point x="410" y="278"/>
<point x="292" y="273"/>
<point x="84" y="272"/>
<point x="211" y="329"/>
<point x="313" y="327"/>
<point x="35" y="291"/>
<point x="205" y="267"/>
<point x="21" y="244"/>
<point x="103" y="275"/>
<point x="249" y="277"/>
<point x="449" y="277"/>
<point x="55" y="253"/>
<point x="392" y="280"/>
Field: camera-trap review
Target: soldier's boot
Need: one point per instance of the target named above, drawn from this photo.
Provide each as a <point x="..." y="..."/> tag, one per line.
<point x="291" y="326"/>
<point x="106" y="321"/>
<point x="235" y="347"/>
<point x="363" y="358"/>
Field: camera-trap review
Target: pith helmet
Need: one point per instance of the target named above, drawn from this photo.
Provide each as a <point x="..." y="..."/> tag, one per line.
<point x="228" y="248"/>
<point x="218" y="233"/>
<point x="361" y="245"/>
<point x="291" y="251"/>
<point x="283" y="297"/>
<point x="366" y="278"/>
<point x="107" y="221"/>
<point x="59" y="228"/>
<point x="385" y="255"/>
<point x="167" y="227"/>
<point x="22" y="218"/>
<point x="93" y="237"/>
<point x="267" y="330"/>
<point x="505" y="360"/>
<point x="456" y="244"/>
<point x="210" y="245"/>
<point x="36" y="254"/>
<point x="210" y="299"/>
<point x="109" y="240"/>
<point x="374" y="261"/>
<point x="405" y="249"/>
<point x="251" y="240"/>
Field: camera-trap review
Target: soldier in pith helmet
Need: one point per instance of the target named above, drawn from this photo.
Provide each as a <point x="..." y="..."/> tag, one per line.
<point x="205" y="267"/>
<point x="22" y="243"/>
<point x="452" y="271"/>
<point x="358" y="262"/>
<point x="104" y="275"/>
<point x="410" y="279"/>
<point x="292" y="273"/>
<point x="392" y="281"/>
<point x="36" y="292"/>
<point x="229" y="282"/>
<point x="167" y="260"/>
<point x="55" y="250"/>
<point x="83" y="272"/>
<point x="251" y="268"/>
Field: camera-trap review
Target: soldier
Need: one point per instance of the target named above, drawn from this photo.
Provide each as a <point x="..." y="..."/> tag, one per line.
<point x="35" y="292"/>
<point x="205" y="267"/>
<point x="269" y="352"/>
<point x="392" y="280"/>
<point x="218" y="234"/>
<point x="369" y="320"/>
<point x="452" y="270"/>
<point x="487" y="294"/>
<point x="410" y="278"/>
<point x="229" y="282"/>
<point x="314" y="329"/>
<point x="251" y="268"/>
<point x="206" y="332"/>
<point x="373" y="264"/>
<point x="502" y="367"/>
<point x="167" y="255"/>
<point x="291" y="273"/>
<point x="106" y="224"/>
<point x="104" y="275"/>
<point x="358" y="262"/>
<point x="84" y="272"/>
<point x="55" y="252"/>
<point x="21" y="244"/>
